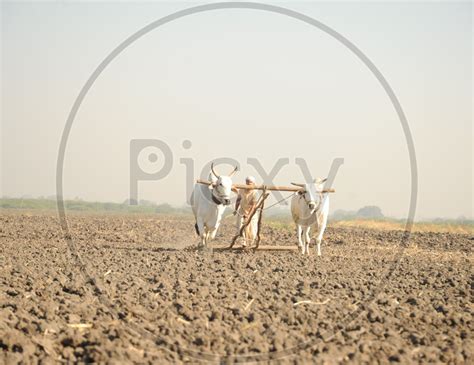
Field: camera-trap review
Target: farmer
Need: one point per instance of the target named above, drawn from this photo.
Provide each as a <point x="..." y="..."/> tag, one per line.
<point x="245" y="203"/>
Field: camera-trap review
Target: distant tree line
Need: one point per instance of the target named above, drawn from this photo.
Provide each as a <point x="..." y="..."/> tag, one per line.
<point x="143" y="206"/>
<point x="367" y="212"/>
<point x="279" y="213"/>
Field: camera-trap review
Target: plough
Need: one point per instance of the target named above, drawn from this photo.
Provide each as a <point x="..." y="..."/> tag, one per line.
<point x="259" y="207"/>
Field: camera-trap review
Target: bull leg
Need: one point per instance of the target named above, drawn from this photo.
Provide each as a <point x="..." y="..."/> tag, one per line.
<point x="210" y="235"/>
<point x="300" y="237"/>
<point x="321" y="229"/>
<point x="213" y="232"/>
<point x="318" y="245"/>
<point x="200" y="229"/>
<point x="306" y="240"/>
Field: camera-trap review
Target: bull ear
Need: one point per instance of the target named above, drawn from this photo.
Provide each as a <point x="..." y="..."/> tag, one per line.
<point x="299" y="185"/>
<point x="233" y="172"/>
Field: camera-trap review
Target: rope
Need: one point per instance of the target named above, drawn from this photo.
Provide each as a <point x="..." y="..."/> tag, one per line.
<point x="230" y="215"/>
<point x="270" y="206"/>
<point x="282" y="200"/>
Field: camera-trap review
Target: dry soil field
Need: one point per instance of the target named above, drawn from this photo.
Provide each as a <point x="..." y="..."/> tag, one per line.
<point x="135" y="291"/>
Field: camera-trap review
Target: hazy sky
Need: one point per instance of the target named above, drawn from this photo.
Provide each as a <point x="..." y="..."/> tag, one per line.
<point x="241" y="84"/>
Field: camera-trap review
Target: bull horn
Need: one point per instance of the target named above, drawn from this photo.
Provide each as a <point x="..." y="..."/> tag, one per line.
<point x="213" y="171"/>
<point x="299" y="185"/>
<point x="233" y="172"/>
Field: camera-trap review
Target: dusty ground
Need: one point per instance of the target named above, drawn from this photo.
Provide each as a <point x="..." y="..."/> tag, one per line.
<point x="145" y="296"/>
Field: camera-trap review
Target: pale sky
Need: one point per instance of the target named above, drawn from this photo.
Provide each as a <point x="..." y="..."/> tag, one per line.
<point x="241" y="84"/>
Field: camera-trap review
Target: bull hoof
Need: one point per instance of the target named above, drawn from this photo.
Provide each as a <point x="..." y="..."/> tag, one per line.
<point x="207" y="249"/>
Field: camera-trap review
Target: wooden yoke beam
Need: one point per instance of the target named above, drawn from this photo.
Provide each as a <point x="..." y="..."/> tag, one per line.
<point x="266" y="187"/>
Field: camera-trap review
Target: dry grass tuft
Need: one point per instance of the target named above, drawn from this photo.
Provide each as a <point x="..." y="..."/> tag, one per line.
<point x="311" y="302"/>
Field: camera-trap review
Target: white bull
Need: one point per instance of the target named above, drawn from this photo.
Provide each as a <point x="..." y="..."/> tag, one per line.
<point x="209" y="202"/>
<point x="310" y="207"/>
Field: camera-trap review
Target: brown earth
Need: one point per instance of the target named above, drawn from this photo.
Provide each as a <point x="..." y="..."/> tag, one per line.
<point x="143" y="295"/>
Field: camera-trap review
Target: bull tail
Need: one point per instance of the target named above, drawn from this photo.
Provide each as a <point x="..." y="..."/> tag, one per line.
<point x="197" y="229"/>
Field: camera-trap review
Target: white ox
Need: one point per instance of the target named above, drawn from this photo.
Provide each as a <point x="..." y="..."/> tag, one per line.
<point x="209" y="202"/>
<point x="310" y="207"/>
